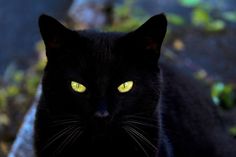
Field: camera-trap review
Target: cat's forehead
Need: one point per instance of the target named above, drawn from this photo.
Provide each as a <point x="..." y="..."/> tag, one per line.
<point x="100" y="42"/>
<point x="99" y="48"/>
<point x="97" y="53"/>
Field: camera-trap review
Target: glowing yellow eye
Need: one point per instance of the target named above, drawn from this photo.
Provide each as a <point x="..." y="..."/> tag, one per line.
<point x="78" y="87"/>
<point x="125" y="87"/>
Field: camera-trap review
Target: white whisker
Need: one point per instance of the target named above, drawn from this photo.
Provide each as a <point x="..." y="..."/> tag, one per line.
<point x="57" y="136"/>
<point x="140" y="123"/>
<point x="142" y="137"/>
<point x="130" y="133"/>
<point x="67" y="140"/>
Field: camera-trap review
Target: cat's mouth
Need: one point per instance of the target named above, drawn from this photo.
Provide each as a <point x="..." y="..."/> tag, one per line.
<point x="101" y="127"/>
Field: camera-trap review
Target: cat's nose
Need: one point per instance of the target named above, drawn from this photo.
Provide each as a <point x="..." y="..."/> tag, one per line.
<point x="102" y="111"/>
<point x="102" y="114"/>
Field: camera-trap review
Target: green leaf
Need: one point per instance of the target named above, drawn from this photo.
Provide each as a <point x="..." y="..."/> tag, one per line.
<point x="215" y="26"/>
<point x="200" y="17"/>
<point x="125" y="9"/>
<point x="175" y="19"/>
<point x="12" y="90"/>
<point x="228" y="97"/>
<point x="31" y="84"/>
<point x="216" y="90"/>
<point x="18" y="76"/>
<point x="232" y="131"/>
<point x="223" y="95"/>
<point x="189" y="3"/>
<point x="229" y="16"/>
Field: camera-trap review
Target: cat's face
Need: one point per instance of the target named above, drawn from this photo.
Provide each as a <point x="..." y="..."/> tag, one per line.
<point x="105" y="81"/>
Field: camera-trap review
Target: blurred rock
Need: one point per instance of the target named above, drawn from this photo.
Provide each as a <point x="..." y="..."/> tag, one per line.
<point x="23" y="145"/>
<point x="90" y="13"/>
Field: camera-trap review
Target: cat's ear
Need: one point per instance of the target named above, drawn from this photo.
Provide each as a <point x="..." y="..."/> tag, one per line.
<point x="52" y="32"/>
<point x="151" y="34"/>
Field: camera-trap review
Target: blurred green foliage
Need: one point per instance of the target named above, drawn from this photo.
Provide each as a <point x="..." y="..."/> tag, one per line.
<point x="229" y="16"/>
<point x="175" y="19"/>
<point x="189" y="3"/>
<point x="201" y="18"/>
<point x="223" y="95"/>
<point x="203" y="15"/>
<point x="232" y="131"/>
<point x="127" y="17"/>
<point x="17" y="89"/>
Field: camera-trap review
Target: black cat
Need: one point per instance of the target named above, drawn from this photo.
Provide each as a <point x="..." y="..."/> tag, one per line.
<point x="105" y="95"/>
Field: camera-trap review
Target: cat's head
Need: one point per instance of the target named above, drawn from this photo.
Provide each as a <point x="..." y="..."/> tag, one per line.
<point x="106" y="80"/>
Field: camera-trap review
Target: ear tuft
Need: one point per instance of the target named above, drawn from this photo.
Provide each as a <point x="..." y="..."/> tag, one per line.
<point x="152" y="32"/>
<point x="52" y="31"/>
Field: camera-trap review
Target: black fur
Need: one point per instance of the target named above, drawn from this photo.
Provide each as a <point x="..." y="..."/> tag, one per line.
<point x="164" y="115"/>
